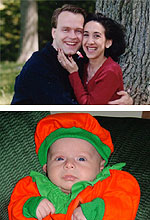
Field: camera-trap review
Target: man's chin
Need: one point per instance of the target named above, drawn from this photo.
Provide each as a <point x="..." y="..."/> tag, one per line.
<point x="70" y="52"/>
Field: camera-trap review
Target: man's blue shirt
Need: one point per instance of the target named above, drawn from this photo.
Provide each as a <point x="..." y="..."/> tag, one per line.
<point x="43" y="81"/>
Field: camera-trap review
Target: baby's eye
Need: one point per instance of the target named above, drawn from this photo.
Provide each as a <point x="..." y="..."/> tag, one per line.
<point x="59" y="158"/>
<point x="81" y="159"/>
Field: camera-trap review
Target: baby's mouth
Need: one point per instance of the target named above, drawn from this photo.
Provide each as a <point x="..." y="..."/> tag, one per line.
<point x="69" y="178"/>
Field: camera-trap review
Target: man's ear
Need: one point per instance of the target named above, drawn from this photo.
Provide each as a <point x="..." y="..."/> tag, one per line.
<point x="53" y="32"/>
<point x="102" y="165"/>
<point x="45" y="168"/>
<point x="108" y="43"/>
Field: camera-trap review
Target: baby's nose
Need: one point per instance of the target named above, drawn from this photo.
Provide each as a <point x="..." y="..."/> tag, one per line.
<point x="69" y="164"/>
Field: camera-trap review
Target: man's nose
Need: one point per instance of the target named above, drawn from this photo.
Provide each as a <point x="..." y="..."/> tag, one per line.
<point x="72" y="34"/>
<point x="69" y="164"/>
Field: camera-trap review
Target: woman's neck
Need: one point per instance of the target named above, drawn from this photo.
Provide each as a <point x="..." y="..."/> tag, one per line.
<point x="94" y="65"/>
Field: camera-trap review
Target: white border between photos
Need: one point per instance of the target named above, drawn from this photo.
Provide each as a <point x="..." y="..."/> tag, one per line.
<point x="68" y="108"/>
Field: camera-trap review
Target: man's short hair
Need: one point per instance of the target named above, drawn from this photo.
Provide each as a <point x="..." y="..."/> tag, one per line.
<point x="70" y="8"/>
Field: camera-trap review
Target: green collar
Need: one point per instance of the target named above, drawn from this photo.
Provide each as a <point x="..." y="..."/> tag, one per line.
<point x="61" y="200"/>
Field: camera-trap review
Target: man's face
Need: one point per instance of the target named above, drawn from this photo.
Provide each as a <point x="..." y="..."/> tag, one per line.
<point x="69" y="32"/>
<point x="71" y="160"/>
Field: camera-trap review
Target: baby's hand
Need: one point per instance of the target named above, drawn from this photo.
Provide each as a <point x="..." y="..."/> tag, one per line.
<point x="78" y="214"/>
<point x="44" y="208"/>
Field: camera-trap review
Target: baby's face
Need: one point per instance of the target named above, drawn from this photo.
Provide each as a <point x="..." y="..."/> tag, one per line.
<point x="71" y="160"/>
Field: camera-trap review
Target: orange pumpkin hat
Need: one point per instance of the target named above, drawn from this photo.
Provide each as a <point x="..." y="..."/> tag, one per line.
<point x="73" y="125"/>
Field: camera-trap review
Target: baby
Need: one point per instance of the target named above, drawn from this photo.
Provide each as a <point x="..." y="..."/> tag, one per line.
<point x="73" y="150"/>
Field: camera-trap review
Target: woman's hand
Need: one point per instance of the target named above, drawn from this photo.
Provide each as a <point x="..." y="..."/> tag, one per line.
<point x="78" y="214"/>
<point x="44" y="208"/>
<point x="68" y="63"/>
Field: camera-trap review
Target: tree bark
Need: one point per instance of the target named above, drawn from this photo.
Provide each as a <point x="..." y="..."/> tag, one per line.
<point x="135" y="63"/>
<point x="29" y="29"/>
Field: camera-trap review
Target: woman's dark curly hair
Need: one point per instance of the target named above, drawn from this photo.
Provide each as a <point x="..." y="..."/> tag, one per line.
<point x="113" y="31"/>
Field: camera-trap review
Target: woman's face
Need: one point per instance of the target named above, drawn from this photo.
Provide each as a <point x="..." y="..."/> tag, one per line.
<point x="94" y="40"/>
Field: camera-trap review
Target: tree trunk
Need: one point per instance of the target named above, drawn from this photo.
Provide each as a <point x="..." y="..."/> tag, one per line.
<point x="29" y="29"/>
<point x="135" y="63"/>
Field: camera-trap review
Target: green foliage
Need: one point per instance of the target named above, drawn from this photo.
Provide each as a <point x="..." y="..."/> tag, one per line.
<point x="8" y="73"/>
<point x="10" y="29"/>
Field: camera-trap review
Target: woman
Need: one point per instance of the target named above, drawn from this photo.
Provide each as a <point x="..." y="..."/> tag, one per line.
<point x="103" y="42"/>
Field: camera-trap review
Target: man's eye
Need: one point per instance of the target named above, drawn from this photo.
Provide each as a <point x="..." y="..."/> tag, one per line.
<point x="59" y="159"/>
<point x="65" y="29"/>
<point x="79" y="31"/>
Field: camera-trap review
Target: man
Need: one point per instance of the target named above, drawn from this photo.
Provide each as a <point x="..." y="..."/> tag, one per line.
<point x="43" y="80"/>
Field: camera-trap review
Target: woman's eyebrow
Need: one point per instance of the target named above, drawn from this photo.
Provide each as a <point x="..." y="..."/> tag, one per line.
<point x="96" y="32"/>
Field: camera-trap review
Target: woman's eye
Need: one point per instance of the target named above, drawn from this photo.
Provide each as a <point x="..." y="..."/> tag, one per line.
<point x="85" y="35"/>
<point x="97" y="36"/>
<point x="59" y="159"/>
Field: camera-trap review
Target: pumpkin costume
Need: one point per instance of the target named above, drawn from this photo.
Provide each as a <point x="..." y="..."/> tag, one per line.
<point x="113" y="194"/>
